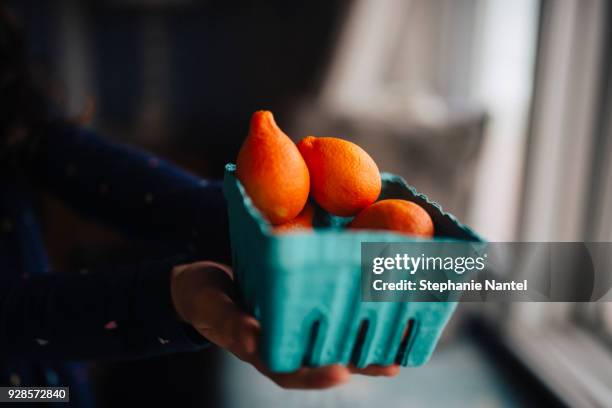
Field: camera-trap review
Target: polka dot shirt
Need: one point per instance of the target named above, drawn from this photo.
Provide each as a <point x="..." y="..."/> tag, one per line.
<point x="98" y="313"/>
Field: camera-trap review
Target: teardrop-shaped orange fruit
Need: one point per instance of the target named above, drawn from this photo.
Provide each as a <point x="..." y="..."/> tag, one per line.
<point x="396" y="215"/>
<point x="303" y="221"/>
<point x="344" y="178"/>
<point x="272" y="170"/>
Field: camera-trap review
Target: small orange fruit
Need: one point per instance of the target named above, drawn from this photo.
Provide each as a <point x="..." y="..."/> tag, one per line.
<point x="397" y="215"/>
<point x="272" y="170"/>
<point x="344" y="178"/>
<point x="300" y="223"/>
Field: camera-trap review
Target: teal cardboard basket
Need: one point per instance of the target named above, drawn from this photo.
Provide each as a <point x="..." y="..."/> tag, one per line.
<point x="304" y="288"/>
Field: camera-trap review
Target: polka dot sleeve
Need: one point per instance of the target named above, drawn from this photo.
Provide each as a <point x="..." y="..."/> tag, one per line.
<point x="122" y="312"/>
<point x="139" y="193"/>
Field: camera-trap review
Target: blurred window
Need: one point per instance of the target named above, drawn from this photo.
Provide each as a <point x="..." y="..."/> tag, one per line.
<point x="568" y="195"/>
<point x="428" y="65"/>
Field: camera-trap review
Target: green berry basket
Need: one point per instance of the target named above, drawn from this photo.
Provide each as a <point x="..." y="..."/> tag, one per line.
<point x="305" y="288"/>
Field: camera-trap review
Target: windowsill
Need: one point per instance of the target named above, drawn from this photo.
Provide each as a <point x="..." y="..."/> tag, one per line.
<point x="569" y="361"/>
<point x="459" y="374"/>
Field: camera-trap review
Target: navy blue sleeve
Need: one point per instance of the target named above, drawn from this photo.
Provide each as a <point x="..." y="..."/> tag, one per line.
<point x="135" y="191"/>
<point x="116" y="312"/>
<point x="113" y="313"/>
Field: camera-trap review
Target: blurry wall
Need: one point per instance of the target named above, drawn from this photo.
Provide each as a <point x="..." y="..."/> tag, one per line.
<point x="180" y="73"/>
<point x="180" y="78"/>
<point x="439" y="92"/>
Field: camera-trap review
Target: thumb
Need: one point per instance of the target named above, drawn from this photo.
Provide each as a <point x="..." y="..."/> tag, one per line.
<point x="215" y="314"/>
<point x="229" y="327"/>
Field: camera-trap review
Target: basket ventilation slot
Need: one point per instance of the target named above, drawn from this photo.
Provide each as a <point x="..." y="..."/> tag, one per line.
<point x="403" y="348"/>
<point x="362" y="335"/>
<point x="312" y="341"/>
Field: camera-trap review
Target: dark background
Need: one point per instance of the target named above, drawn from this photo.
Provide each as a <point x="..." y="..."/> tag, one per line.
<point x="204" y="66"/>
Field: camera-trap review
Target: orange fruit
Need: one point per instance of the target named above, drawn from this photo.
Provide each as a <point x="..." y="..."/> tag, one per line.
<point x="396" y="215"/>
<point x="302" y="222"/>
<point x="344" y="178"/>
<point x="272" y="170"/>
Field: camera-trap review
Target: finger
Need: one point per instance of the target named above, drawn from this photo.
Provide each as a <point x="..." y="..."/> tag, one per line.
<point x="311" y="378"/>
<point x="195" y="289"/>
<point x="238" y="335"/>
<point x="376" y="370"/>
<point x="219" y="318"/>
<point x="223" y="267"/>
<point x="231" y="329"/>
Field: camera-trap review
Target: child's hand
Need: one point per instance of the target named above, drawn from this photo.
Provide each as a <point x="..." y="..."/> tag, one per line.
<point x="203" y="293"/>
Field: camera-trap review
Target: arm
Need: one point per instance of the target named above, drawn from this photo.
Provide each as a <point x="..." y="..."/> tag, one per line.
<point x="114" y="313"/>
<point x="132" y="190"/>
<point x="124" y="313"/>
<point x="137" y="312"/>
